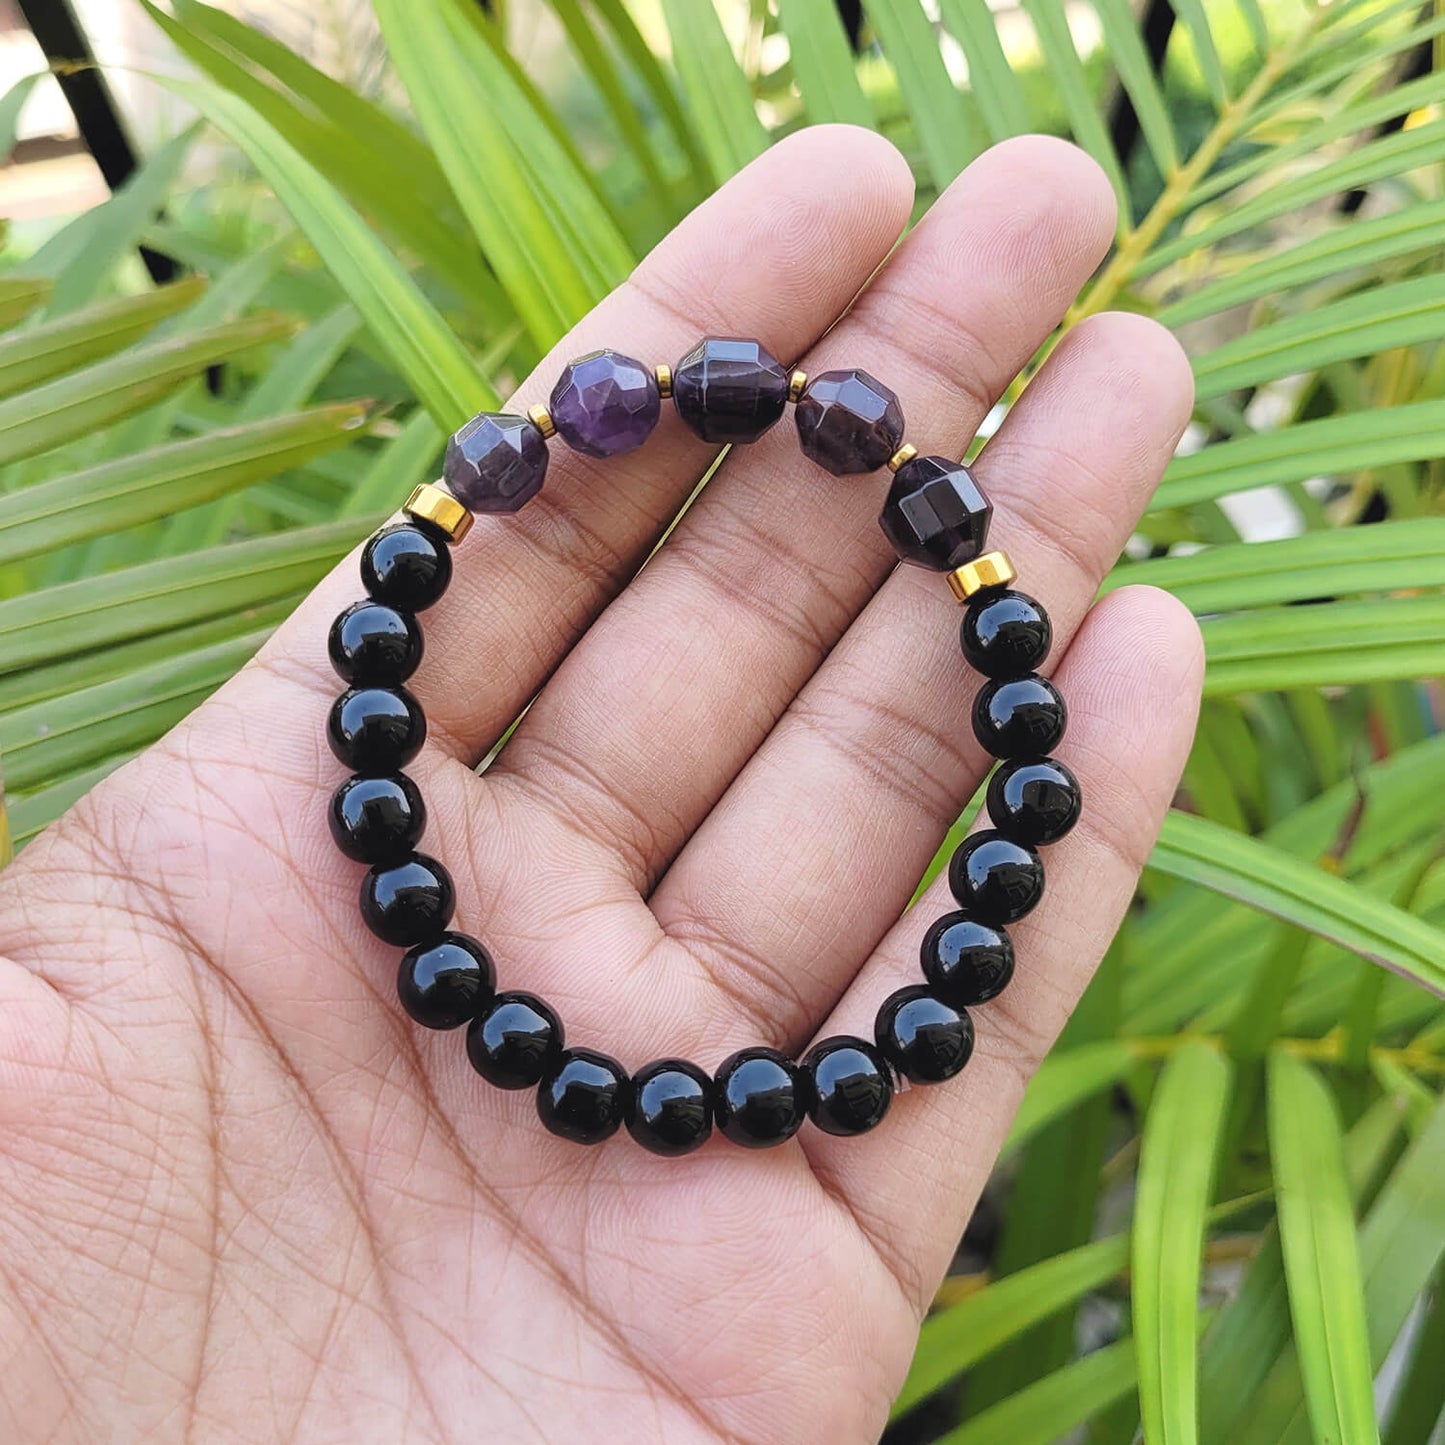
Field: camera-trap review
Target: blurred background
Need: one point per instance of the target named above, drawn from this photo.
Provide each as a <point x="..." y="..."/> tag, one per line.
<point x="260" y="259"/>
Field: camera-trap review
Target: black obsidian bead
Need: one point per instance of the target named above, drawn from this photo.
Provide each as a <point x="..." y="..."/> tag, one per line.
<point x="729" y="390"/>
<point x="935" y="515"/>
<point x="445" y="984"/>
<point x="373" y="645"/>
<point x="669" y="1109"/>
<point x="760" y="1098"/>
<point x="376" y="729"/>
<point x="1005" y="634"/>
<point x="1019" y="717"/>
<point x="583" y="1096"/>
<point x="514" y="1043"/>
<point x="406" y="566"/>
<point x="408" y="902"/>
<point x="966" y="961"/>
<point x="851" y="1085"/>
<point x="1033" y="800"/>
<point x="375" y="820"/>
<point x="848" y="421"/>
<point x="925" y="1039"/>
<point x="994" y="878"/>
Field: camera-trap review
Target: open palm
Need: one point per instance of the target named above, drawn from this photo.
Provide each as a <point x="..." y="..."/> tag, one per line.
<point x="243" y="1197"/>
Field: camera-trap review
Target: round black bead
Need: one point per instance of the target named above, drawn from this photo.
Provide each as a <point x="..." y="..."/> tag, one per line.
<point x="925" y="1039"/>
<point x="374" y="820"/>
<point x="445" y="984"/>
<point x="373" y="645"/>
<point x="851" y="1085"/>
<point x="1005" y="634"/>
<point x="1021" y="717"/>
<point x="376" y="729"/>
<point x="994" y="878"/>
<point x="583" y="1096"/>
<point x="513" y="1044"/>
<point x="669" y="1110"/>
<point x="406" y="567"/>
<point x="966" y="961"/>
<point x="408" y="902"/>
<point x="760" y="1098"/>
<point x="1034" y="800"/>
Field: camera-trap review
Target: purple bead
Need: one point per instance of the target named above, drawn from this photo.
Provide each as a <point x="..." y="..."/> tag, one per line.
<point x="849" y="422"/>
<point x="605" y="403"/>
<point x="729" y="390"/>
<point x="495" y="463"/>
<point x="935" y="514"/>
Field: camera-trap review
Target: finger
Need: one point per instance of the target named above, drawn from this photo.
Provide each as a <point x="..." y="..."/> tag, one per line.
<point x="654" y="713"/>
<point x="777" y="253"/>
<point x="876" y="756"/>
<point x="1132" y="678"/>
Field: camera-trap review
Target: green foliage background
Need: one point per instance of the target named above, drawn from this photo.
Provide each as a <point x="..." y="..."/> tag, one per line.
<point x="1223" y="1204"/>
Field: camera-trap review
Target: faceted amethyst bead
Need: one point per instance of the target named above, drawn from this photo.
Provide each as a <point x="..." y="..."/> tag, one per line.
<point x="605" y="403"/>
<point x="729" y="390"/>
<point x="495" y="463"/>
<point x="849" y="422"/>
<point x="935" y="515"/>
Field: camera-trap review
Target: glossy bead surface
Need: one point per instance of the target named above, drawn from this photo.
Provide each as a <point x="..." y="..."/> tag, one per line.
<point x="445" y="984"/>
<point x="994" y="878"/>
<point x="760" y="1098"/>
<point x="729" y="390"/>
<point x="924" y="1038"/>
<point x="1019" y="717"/>
<point x="583" y="1096"/>
<point x="1005" y="634"/>
<point x="966" y="961"/>
<point x="605" y="403"/>
<point x="1034" y="800"/>
<point x="408" y="902"/>
<point x="373" y="645"/>
<point x="851" y="1085"/>
<point x="848" y="422"/>
<point x="514" y="1043"/>
<point x="669" y="1110"/>
<point x="496" y="463"/>
<point x="935" y="515"/>
<point x="406" y="566"/>
<point x="376" y="729"/>
<point x="374" y="820"/>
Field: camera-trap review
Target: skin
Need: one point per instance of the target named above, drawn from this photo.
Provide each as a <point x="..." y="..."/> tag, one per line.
<point x="242" y="1197"/>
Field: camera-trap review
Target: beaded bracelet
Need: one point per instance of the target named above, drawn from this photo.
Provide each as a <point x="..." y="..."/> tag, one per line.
<point x="727" y="391"/>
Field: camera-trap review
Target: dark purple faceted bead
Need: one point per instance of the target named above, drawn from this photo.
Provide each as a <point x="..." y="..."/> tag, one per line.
<point x="605" y="403"/>
<point x="935" y="516"/>
<point x="995" y="879"/>
<point x="849" y="422"/>
<point x="729" y="390"/>
<point x="496" y="463"/>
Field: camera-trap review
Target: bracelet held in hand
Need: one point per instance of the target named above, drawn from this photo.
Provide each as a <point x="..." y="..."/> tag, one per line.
<point x="727" y="391"/>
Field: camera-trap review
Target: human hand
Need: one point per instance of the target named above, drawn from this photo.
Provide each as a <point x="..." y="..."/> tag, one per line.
<point x="243" y="1197"/>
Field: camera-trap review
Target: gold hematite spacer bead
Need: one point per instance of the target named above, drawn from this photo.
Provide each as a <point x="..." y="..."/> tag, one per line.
<point x="796" y="382"/>
<point x="993" y="569"/>
<point x="429" y="503"/>
<point x="663" y="372"/>
<point x="541" y="418"/>
<point x="902" y="456"/>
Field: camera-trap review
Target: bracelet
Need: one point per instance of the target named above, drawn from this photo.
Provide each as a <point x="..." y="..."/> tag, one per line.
<point x="935" y="516"/>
